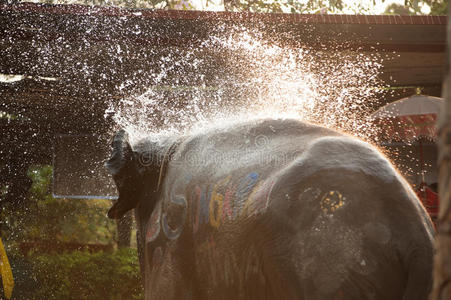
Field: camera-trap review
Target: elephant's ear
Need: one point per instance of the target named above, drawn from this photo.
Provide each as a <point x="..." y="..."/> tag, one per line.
<point x="121" y="166"/>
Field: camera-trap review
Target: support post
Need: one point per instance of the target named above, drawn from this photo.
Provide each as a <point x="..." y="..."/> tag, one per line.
<point x="442" y="260"/>
<point x="124" y="230"/>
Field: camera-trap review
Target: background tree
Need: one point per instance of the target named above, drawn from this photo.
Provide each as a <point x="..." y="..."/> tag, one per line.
<point x="411" y="7"/>
<point x="437" y="7"/>
<point x="398" y="9"/>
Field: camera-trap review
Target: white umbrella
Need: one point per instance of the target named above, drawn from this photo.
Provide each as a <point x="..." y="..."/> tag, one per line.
<point x="410" y="106"/>
<point x="409" y="118"/>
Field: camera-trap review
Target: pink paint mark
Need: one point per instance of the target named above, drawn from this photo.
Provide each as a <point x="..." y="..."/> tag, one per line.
<point x="153" y="225"/>
<point x="227" y="210"/>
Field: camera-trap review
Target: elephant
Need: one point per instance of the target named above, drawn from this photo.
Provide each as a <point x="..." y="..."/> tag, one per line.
<point x="271" y="209"/>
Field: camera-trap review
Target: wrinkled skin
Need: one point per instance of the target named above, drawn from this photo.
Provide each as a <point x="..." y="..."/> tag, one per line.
<point x="272" y="209"/>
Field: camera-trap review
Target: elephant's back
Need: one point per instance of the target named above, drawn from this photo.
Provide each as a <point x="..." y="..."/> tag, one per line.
<point x="352" y="222"/>
<point x="260" y="145"/>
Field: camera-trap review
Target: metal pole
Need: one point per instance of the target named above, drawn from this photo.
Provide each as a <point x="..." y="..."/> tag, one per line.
<point x="420" y="143"/>
<point x="442" y="260"/>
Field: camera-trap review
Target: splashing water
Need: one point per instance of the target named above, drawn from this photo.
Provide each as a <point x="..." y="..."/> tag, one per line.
<point x="239" y="75"/>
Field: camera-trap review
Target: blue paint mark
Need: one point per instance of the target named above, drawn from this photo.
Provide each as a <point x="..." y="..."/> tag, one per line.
<point x="243" y="191"/>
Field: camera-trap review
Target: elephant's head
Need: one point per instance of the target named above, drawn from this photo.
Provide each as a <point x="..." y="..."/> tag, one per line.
<point x="136" y="173"/>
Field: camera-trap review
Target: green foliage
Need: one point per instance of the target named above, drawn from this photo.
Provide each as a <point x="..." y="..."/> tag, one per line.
<point x="397" y="9"/>
<point x="45" y="218"/>
<point x="9" y="117"/>
<point x="79" y="275"/>
<point x="438" y="7"/>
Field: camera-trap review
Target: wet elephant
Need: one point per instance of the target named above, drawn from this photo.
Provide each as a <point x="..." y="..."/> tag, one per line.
<point x="272" y="209"/>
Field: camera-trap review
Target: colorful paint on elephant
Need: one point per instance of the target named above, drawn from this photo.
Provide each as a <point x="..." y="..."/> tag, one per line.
<point x="332" y="201"/>
<point x="223" y="201"/>
<point x="227" y="199"/>
<point x="213" y="204"/>
<point x="258" y="200"/>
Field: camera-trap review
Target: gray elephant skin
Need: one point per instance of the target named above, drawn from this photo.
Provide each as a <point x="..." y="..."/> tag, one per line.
<point x="271" y="209"/>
